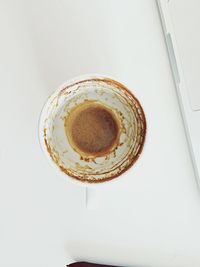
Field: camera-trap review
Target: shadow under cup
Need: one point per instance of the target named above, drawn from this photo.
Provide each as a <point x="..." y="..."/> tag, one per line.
<point x="93" y="129"/>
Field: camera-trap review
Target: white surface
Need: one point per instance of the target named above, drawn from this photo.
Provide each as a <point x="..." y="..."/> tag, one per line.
<point x="186" y="21"/>
<point x="178" y="48"/>
<point x="187" y="39"/>
<point x="151" y="217"/>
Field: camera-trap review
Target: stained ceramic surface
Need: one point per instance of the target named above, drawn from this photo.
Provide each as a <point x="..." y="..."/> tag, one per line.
<point x="114" y="96"/>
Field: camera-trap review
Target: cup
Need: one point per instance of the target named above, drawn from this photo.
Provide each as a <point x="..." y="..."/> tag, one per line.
<point x="106" y="135"/>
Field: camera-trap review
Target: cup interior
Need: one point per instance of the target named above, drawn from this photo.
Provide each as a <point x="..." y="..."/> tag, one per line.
<point x="101" y="91"/>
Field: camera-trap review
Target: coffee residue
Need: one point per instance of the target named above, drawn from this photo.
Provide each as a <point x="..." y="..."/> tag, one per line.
<point x="92" y="129"/>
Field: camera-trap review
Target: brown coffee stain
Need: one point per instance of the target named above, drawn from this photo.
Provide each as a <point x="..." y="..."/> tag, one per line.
<point x="93" y="129"/>
<point x="51" y="150"/>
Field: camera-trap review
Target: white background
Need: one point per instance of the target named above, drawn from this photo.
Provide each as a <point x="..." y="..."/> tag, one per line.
<point x="151" y="217"/>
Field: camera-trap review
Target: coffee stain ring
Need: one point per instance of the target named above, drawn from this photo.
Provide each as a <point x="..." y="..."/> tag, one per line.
<point x="86" y="167"/>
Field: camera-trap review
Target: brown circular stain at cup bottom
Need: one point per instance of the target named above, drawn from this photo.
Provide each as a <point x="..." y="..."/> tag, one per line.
<point x="92" y="129"/>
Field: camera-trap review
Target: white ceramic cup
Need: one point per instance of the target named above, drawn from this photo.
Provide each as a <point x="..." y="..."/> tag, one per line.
<point x="91" y="171"/>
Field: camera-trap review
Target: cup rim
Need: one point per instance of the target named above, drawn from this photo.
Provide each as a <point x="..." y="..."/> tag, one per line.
<point x="42" y="142"/>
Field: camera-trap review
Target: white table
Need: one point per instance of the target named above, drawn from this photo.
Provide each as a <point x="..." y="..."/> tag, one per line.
<point x="151" y="217"/>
